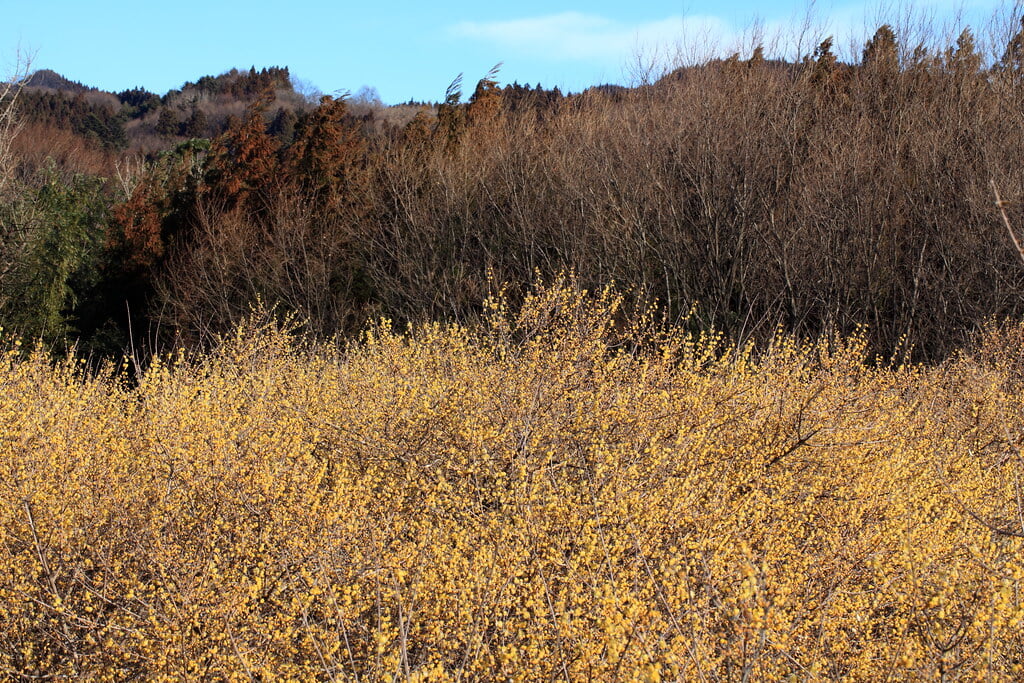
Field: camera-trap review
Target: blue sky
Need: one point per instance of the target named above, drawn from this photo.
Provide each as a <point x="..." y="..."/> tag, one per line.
<point x="410" y="50"/>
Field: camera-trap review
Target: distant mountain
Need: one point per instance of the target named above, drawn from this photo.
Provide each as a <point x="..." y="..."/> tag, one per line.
<point x="242" y="85"/>
<point x="609" y="90"/>
<point x="45" y="78"/>
<point x="140" y="120"/>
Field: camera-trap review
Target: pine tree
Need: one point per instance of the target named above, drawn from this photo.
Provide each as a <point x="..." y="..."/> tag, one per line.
<point x="326" y="151"/>
<point x="881" y="53"/>
<point x="282" y="126"/>
<point x="485" y="104"/>
<point x="167" y="123"/>
<point x="1013" y="56"/>
<point x="242" y="167"/>
<point x="196" y="125"/>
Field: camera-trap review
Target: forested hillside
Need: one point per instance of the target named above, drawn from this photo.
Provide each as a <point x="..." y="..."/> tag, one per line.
<point x="744" y="194"/>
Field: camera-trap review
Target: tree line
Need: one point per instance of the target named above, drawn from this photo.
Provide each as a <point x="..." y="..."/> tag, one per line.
<point x="738" y="194"/>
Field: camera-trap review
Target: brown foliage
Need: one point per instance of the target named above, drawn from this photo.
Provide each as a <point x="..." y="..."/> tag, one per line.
<point x="818" y="196"/>
<point x="139" y="219"/>
<point x="486" y="103"/>
<point x="243" y="162"/>
<point x="39" y="142"/>
<point x="328" y="151"/>
<point x="158" y="207"/>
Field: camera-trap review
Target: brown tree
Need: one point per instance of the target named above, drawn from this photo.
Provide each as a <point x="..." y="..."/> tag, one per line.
<point x="243" y="163"/>
<point x="485" y="104"/>
<point x="327" y="153"/>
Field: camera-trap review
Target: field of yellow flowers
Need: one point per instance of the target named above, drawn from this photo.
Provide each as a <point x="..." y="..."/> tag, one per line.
<point x="552" y="494"/>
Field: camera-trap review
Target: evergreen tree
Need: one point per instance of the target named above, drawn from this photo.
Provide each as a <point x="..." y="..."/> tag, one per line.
<point x="243" y="162"/>
<point x="964" y="58"/>
<point x="138" y="101"/>
<point x="167" y="123"/>
<point x="60" y="258"/>
<point x="485" y="104"/>
<point x="1013" y="56"/>
<point x="282" y="126"/>
<point x="881" y="53"/>
<point x="326" y="151"/>
<point x="418" y="131"/>
<point x="823" y="63"/>
<point x="757" y="59"/>
<point x="451" y="115"/>
<point x="196" y="125"/>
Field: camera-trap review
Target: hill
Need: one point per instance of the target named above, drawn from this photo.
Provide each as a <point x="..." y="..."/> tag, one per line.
<point x="51" y="80"/>
<point x="743" y="195"/>
<point x="138" y="120"/>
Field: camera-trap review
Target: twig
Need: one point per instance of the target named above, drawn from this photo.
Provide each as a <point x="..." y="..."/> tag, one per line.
<point x="1006" y="221"/>
<point x="45" y="566"/>
<point x="1001" y="531"/>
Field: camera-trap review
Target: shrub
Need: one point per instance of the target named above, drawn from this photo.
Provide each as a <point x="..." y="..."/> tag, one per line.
<point x="526" y="499"/>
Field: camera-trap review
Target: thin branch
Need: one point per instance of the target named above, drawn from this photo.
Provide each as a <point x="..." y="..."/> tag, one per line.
<point x="1006" y="221"/>
<point x="1001" y="531"/>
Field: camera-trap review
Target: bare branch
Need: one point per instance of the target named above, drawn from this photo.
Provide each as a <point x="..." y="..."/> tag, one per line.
<point x="1006" y="221"/>
<point x="10" y="124"/>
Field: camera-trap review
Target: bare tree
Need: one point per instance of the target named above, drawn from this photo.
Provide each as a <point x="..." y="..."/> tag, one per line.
<point x="9" y="122"/>
<point x="365" y="101"/>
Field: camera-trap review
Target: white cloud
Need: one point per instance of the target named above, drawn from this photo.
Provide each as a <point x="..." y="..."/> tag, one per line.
<point x="590" y="37"/>
<point x="583" y="37"/>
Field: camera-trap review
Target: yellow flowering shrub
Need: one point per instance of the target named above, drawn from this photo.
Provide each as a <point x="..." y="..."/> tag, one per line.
<point x="551" y="494"/>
